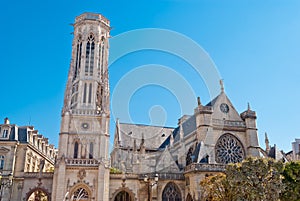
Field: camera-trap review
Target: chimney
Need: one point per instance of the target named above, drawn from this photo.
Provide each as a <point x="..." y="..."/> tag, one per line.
<point x="6" y="121"/>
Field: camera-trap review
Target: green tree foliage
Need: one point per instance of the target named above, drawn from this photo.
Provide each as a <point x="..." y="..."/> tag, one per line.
<point x="291" y="180"/>
<point x="115" y="171"/>
<point x="255" y="179"/>
<point x="217" y="188"/>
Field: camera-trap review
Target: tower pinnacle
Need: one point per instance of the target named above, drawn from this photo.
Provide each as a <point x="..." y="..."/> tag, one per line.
<point x="222" y="85"/>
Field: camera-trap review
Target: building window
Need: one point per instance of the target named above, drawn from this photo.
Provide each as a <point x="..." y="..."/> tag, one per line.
<point x="171" y="193"/>
<point x="123" y="195"/>
<point x="5" y="133"/>
<point x="190" y="156"/>
<point x="80" y="194"/>
<point x="84" y="93"/>
<point x="78" y="58"/>
<point x="1" y="162"/>
<point x="189" y="198"/>
<point x="76" y="150"/>
<point x="91" y="150"/>
<point x="102" y="53"/>
<point x="74" y="96"/>
<point x="90" y="93"/>
<point x="89" y="56"/>
<point x="229" y="150"/>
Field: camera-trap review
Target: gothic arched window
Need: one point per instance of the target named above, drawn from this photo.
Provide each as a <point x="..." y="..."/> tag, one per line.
<point x="76" y="150"/>
<point x="171" y="193"/>
<point x="123" y="196"/>
<point x="189" y="156"/>
<point x="229" y="149"/>
<point x="90" y="93"/>
<point x="84" y="93"/>
<point x="102" y="52"/>
<point x="91" y="150"/>
<point x="189" y="198"/>
<point x="78" y="58"/>
<point x="74" y="96"/>
<point x="89" y="56"/>
<point x="80" y="194"/>
<point x="38" y="194"/>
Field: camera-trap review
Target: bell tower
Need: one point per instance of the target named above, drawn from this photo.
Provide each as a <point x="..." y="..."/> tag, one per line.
<point x="82" y="166"/>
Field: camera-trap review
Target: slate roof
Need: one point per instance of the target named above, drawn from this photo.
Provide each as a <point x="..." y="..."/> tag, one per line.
<point x="153" y="136"/>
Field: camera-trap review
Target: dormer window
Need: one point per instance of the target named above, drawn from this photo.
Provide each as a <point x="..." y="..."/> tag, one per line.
<point x="5" y="133"/>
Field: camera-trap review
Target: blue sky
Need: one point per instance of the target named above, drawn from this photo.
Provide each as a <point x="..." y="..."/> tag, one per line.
<point x="254" y="44"/>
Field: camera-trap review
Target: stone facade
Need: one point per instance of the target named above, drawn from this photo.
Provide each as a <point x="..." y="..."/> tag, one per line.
<point x="202" y="144"/>
<point x="294" y="154"/>
<point x="147" y="162"/>
<point x="29" y="157"/>
<point x="82" y="166"/>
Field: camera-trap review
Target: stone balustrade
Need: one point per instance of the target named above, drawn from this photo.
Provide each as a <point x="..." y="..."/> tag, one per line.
<point x="38" y="174"/>
<point x="229" y="123"/>
<point x="82" y="162"/>
<point x="92" y="16"/>
<point x="199" y="167"/>
<point x="164" y="176"/>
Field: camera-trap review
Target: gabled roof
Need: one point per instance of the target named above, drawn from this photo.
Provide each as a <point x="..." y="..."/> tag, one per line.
<point x="165" y="163"/>
<point x="231" y="115"/>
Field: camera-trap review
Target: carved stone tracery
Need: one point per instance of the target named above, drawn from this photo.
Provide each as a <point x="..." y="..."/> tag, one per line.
<point x="229" y="150"/>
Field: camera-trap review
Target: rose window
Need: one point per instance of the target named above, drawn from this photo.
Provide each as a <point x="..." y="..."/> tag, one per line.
<point x="229" y="150"/>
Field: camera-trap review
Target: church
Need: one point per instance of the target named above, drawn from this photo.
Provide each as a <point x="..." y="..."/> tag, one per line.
<point x="146" y="162"/>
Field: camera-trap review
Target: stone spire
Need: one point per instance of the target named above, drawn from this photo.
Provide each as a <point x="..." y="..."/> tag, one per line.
<point x="181" y="133"/>
<point x="171" y="140"/>
<point x="222" y="85"/>
<point x="267" y="143"/>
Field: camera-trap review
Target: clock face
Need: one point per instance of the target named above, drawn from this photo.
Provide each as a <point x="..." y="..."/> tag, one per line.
<point x="85" y="125"/>
<point x="224" y="108"/>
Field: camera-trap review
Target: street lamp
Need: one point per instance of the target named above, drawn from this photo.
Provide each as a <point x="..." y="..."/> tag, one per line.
<point x="5" y="184"/>
<point x="150" y="184"/>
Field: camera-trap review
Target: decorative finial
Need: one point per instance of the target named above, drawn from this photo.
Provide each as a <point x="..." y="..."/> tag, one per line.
<point x="266" y="136"/>
<point x="199" y="101"/>
<point x="222" y="85"/>
<point x="249" y="106"/>
<point x="267" y="143"/>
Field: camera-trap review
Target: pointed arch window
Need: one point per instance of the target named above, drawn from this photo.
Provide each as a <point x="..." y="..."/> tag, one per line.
<point x="76" y="145"/>
<point x="89" y="56"/>
<point x="102" y="52"/>
<point x="189" y="198"/>
<point x="84" y="93"/>
<point x="80" y="194"/>
<point x="78" y="58"/>
<point x="123" y="196"/>
<point x="74" y="96"/>
<point x="90" y="93"/>
<point x="171" y="193"/>
<point x="91" y="152"/>
<point x="189" y="156"/>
